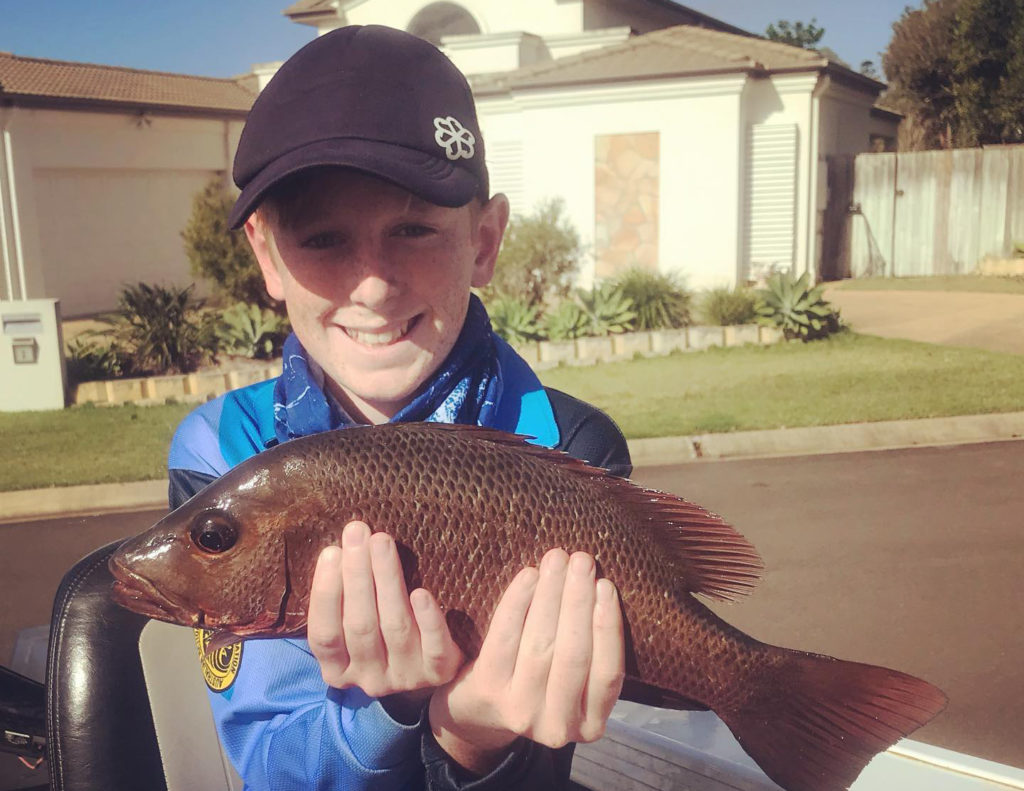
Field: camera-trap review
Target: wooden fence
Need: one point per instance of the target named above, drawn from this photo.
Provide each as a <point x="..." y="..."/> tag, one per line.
<point x="922" y="213"/>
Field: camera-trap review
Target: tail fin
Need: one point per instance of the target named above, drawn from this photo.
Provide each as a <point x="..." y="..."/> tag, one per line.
<point x="823" y="719"/>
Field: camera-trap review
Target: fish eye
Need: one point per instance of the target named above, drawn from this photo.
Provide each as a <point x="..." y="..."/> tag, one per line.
<point x="213" y="532"/>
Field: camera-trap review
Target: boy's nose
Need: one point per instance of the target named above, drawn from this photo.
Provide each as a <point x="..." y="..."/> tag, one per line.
<point x="375" y="280"/>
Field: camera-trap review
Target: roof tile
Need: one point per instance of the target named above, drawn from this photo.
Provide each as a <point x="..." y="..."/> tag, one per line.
<point x="674" y="51"/>
<point x="35" y="77"/>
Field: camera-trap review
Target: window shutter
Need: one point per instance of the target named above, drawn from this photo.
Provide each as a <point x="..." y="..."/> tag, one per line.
<point x="771" y="198"/>
<point x="505" y="168"/>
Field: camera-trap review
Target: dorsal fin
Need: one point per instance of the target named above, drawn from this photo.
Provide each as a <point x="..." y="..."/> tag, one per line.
<point x="716" y="560"/>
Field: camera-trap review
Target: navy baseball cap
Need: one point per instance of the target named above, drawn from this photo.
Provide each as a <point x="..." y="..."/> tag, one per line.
<point x="371" y="98"/>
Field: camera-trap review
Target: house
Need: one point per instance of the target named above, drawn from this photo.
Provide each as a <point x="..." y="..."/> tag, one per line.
<point x="98" y="166"/>
<point x="678" y="142"/>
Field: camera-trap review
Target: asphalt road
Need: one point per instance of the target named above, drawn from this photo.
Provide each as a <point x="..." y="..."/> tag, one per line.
<point x="907" y="558"/>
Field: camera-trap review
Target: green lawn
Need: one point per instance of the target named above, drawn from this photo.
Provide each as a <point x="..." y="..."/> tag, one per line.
<point x="849" y="378"/>
<point x="992" y="284"/>
<point x="86" y="445"/>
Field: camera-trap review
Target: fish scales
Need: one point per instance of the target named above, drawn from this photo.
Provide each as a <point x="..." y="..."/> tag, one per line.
<point x="426" y="493"/>
<point x="468" y="508"/>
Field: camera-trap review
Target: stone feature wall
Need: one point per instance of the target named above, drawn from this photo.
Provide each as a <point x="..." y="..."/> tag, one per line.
<point x="626" y="171"/>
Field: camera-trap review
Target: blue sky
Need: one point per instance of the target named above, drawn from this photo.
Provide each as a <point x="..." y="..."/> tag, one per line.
<point x="222" y="38"/>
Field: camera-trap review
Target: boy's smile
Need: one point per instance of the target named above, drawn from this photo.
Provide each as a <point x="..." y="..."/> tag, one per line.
<point x="381" y="336"/>
<point x="376" y="280"/>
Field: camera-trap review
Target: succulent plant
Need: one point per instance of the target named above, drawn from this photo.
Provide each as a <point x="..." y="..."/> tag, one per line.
<point x="799" y="310"/>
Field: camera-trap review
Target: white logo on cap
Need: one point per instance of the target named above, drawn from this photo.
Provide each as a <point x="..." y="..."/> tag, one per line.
<point x="454" y="138"/>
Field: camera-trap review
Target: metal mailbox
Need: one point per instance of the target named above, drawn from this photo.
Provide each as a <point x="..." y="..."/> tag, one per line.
<point x="32" y="369"/>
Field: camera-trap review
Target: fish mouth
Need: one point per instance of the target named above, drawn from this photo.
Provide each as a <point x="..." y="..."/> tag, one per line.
<point x="134" y="592"/>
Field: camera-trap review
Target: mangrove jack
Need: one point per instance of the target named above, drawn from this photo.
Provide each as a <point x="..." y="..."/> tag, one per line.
<point x="469" y="507"/>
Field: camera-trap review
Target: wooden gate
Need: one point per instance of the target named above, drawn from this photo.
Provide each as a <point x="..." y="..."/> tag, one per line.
<point x="923" y="213"/>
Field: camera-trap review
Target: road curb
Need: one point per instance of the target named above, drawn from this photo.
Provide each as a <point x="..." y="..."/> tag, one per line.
<point x="66" y="500"/>
<point x="883" y="435"/>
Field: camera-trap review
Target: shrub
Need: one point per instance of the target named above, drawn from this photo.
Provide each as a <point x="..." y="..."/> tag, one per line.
<point x="566" y="322"/>
<point x="251" y="331"/>
<point x="161" y="330"/>
<point x="659" y="300"/>
<point x="799" y="311"/>
<point x="726" y="306"/>
<point x="514" y="319"/>
<point x="608" y="309"/>
<point x="538" y="258"/>
<point x="88" y="360"/>
<point x="220" y="255"/>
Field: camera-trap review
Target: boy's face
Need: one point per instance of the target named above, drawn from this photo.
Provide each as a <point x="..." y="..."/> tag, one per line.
<point x="376" y="281"/>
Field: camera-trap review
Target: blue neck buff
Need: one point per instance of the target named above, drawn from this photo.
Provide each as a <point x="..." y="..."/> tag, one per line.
<point x="464" y="389"/>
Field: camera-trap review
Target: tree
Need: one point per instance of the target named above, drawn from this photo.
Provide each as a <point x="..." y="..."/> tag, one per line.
<point x="988" y="86"/>
<point x="956" y="71"/>
<point x="538" y="258"/>
<point x="867" y="68"/>
<point x="796" y="33"/>
<point x="919" y="70"/>
<point x="219" y="254"/>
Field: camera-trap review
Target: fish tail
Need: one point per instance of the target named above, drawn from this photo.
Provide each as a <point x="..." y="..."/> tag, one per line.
<point x="821" y="720"/>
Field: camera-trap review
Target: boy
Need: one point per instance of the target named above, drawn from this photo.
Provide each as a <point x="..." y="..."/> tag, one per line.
<point x="365" y="198"/>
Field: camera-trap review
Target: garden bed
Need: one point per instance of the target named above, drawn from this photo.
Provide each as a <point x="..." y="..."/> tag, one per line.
<point x="212" y="382"/>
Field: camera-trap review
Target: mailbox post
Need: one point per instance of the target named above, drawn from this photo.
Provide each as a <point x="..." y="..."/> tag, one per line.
<point x="32" y="369"/>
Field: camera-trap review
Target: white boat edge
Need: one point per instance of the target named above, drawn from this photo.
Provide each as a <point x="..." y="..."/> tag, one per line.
<point x="648" y="748"/>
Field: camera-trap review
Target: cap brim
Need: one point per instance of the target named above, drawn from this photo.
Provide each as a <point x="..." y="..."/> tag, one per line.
<point x="429" y="177"/>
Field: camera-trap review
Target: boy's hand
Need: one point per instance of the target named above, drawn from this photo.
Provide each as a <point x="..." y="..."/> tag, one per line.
<point x="550" y="668"/>
<point x="365" y="630"/>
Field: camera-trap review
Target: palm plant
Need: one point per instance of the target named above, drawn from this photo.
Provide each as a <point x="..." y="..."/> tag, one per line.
<point x="659" y="300"/>
<point x="161" y="329"/>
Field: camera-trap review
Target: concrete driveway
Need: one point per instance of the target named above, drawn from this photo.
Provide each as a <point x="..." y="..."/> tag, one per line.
<point x="953" y="318"/>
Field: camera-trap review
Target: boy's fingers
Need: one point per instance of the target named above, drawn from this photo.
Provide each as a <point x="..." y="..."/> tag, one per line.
<point x="440" y="655"/>
<point x="608" y="666"/>
<point x="502" y="642"/>
<point x="394" y="613"/>
<point x="570" y="664"/>
<point x="538" y="640"/>
<point x="324" y="628"/>
<point x="359" y="616"/>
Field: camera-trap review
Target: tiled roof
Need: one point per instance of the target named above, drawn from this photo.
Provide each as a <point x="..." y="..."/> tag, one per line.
<point x="671" y="52"/>
<point x="56" y="80"/>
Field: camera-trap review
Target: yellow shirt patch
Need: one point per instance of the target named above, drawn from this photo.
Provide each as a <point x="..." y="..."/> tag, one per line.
<point x="220" y="667"/>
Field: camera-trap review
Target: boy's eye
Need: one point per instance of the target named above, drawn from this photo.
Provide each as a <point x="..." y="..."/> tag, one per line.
<point x="321" y="241"/>
<point x="413" y="231"/>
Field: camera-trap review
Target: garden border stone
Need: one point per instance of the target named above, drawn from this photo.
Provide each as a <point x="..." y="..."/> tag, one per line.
<point x="541" y="355"/>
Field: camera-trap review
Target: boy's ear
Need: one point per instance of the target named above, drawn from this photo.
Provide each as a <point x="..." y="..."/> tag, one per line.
<point x="491" y="223"/>
<point x="261" y="241"/>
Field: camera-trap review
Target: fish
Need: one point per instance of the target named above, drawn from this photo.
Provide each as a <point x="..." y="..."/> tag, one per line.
<point x="468" y="508"/>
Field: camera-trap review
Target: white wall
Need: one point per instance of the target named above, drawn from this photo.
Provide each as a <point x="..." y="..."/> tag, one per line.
<point x="702" y="124"/>
<point x="103" y="197"/>
<point x="698" y="122"/>
<point x="847" y="123"/>
<point x="537" y="16"/>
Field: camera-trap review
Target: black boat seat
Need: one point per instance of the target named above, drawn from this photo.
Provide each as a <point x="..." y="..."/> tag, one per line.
<point x="126" y="704"/>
